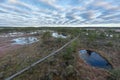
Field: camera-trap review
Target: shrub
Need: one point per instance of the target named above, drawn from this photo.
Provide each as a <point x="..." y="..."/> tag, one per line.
<point x="46" y="36"/>
<point x="59" y="40"/>
<point x="102" y="35"/>
<point x="115" y="74"/>
<point x="68" y="54"/>
<point x="70" y="50"/>
<point x="69" y="70"/>
<point x="109" y="44"/>
<point x="92" y="37"/>
<point x="74" y="45"/>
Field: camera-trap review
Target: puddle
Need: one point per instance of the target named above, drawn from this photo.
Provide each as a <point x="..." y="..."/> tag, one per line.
<point x="33" y="32"/>
<point x="86" y="34"/>
<point x="14" y="34"/>
<point x="24" y="40"/>
<point x="94" y="59"/>
<point x="111" y="35"/>
<point x="117" y="30"/>
<point x="17" y="34"/>
<point x="56" y="35"/>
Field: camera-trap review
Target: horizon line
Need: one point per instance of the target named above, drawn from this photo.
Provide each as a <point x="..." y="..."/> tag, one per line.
<point x="70" y="25"/>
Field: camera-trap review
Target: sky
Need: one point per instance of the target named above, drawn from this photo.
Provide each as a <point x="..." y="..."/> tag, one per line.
<point x="59" y="12"/>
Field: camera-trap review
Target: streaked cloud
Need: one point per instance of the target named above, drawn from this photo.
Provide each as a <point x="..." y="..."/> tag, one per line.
<point x="12" y="1"/>
<point x="58" y="12"/>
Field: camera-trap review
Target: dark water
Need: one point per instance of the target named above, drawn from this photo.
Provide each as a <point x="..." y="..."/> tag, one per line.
<point x="94" y="59"/>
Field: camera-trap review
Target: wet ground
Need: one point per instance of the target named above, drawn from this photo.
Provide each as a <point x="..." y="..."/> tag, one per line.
<point x="10" y="41"/>
<point x="56" y="35"/>
<point x="24" y="40"/>
<point x="14" y="40"/>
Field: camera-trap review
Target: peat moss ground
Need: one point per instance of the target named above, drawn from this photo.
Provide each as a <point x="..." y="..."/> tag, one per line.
<point x="67" y="65"/>
<point x="15" y="60"/>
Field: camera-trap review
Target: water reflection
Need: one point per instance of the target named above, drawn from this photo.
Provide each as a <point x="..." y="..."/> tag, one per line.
<point x="56" y="35"/>
<point x="94" y="59"/>
<point x="24" y="40"/>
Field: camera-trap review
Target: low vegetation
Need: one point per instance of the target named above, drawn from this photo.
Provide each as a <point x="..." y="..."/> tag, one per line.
<point x="66" y="65"/>
<point x="115" y="74"/>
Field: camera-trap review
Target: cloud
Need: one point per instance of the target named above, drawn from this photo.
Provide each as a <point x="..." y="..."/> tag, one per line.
<point x="107" y="5"/>
<point x="12" y="1"/>
<point x="58" y="12"/>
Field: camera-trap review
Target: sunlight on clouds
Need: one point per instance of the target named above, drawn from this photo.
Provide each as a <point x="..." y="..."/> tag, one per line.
<point x="12" y="1"/>
<point x="107" y="5"/>
<point x="58" y="12"/>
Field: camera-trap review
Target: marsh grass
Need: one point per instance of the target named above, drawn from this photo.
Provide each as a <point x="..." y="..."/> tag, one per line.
<point x="66" y="65"/>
